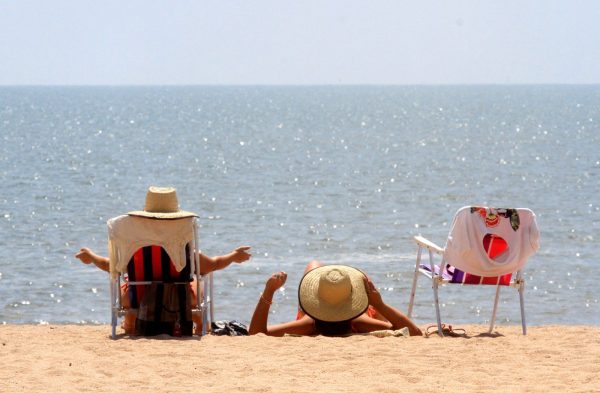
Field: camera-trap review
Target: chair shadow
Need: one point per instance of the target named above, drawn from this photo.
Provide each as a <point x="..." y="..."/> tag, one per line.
<point x="448" y="334"/>
<point x="159" y="337"/>
<point x="490" y="335"/>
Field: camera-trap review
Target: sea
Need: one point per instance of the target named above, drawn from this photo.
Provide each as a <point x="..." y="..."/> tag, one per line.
<point x="340" y="174"/>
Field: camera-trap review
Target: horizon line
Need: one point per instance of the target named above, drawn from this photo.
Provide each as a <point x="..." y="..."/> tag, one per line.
<point x="306" y="85"/>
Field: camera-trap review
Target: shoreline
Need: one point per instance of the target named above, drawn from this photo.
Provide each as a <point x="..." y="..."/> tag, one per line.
<point x="84" y="357"/>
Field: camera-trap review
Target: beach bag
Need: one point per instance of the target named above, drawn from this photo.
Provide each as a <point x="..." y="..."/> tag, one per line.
<point x="228" y="328"/>
<point x="165" y="309"/>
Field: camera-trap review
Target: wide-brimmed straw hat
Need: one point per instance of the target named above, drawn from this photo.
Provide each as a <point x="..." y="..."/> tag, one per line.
<point x="333" y="293"/>
<point x="162" y="203"/>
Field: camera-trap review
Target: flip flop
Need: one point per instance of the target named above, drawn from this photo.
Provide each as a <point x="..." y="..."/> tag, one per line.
<point x="446" y="330"/>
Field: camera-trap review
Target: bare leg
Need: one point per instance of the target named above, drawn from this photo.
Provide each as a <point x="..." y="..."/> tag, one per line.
<point x="128" y="323"/>
<point x="312" y="265"/>
<point x="196" y="317"/>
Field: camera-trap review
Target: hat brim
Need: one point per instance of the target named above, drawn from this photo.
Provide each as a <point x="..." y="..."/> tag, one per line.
<point x="163" y="216"/>
<point x="314" y="307"/>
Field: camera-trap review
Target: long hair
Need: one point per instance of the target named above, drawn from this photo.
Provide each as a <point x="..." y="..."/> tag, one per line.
<point x="332" y="329"/>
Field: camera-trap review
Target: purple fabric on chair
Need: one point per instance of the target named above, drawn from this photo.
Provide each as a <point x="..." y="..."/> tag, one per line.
<point x="457" y="276"/>
<point x="446" y="275"/>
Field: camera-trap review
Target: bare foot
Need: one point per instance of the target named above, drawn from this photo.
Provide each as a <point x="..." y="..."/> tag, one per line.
<point x="128" y="323"/>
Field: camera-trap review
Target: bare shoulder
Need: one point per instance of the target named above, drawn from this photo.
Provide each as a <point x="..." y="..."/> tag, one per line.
<point x="366" y="324"/>
<point x="304" y="326"/>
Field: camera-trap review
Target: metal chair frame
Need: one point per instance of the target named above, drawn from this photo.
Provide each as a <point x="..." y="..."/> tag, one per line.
<point x="205" y="305"/>
<point x="437" y="280"/>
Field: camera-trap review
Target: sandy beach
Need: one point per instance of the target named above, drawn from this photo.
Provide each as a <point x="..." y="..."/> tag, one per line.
<point x="85" y="358"/>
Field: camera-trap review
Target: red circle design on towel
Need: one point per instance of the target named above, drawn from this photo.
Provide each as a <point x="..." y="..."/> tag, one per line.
<point x="495" y="246"/>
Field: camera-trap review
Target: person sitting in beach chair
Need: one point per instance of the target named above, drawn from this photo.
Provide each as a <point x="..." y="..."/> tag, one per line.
<point x="208" y="264"/>
<point x="334" y="300"/>
<point x="148" y="259"/>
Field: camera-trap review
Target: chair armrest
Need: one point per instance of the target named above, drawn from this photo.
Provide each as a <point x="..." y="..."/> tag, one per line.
<point x="422" y="242"/>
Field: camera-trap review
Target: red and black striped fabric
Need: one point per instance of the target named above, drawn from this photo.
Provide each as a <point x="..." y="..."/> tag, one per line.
<point x="457" y="276"/>
<point x="152" y="263"/>
<point x="495" y="247"/>
<point x="460" y="277"/>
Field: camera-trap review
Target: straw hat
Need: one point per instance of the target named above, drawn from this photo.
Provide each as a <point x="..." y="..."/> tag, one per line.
<point x="161" y="203"/>
<point x="333" y="293"/>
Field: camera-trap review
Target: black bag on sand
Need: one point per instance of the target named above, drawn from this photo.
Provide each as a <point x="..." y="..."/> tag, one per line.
<point x="165" y="309"/>
<point x="228" y="328"/>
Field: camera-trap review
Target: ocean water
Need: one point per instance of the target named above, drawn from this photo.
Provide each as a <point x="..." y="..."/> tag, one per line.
<point x="340" y="174"/>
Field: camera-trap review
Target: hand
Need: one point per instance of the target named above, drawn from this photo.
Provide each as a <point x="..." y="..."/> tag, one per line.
<point x="373" y="294"/>
<point x="86" y="255"/>
<point x="240" y="254"/>
<point x="275" y="282"/>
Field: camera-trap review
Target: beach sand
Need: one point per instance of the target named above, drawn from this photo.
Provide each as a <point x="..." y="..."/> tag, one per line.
<point x="85" y="358"/>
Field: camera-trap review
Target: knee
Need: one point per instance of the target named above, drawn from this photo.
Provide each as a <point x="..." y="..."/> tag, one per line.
<point x="125" y="298"/>
<point x="194" y="300"/>
<point x="194" y="295"/>
<point x="312" y="265"/>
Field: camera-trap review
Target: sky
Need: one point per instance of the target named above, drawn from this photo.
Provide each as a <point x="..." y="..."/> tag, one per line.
<point x="308" y="42"/>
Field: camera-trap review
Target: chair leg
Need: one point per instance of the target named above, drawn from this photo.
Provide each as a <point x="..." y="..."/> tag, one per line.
<point x="522" y="301"/>
<point x="199" y="301"/>
<point x="212" y="304"/>
<point x="204" y="306"/>
<point x="435" y="286"/>
<point x="113" y="311"/>
<point x="493" y="321"/>
<point x="414" y="284"/>
<point x="437" y="306"/>
<point x="207" y="308"/>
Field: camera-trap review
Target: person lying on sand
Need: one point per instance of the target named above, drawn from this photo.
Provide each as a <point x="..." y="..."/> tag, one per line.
<point x="334" y="300"/>
<point x="207" y="265"/>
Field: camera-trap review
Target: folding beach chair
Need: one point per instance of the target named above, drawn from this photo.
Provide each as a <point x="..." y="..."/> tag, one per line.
<point x="485" y="246"/>
<point x="148" y="254"/>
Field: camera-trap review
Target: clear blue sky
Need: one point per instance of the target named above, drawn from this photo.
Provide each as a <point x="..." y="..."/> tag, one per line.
<point x="157" y="42"/>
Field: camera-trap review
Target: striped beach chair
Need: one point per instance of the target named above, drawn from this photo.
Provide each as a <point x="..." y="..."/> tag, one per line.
<point x="485" y="246"/>
<point x="140" y="260"/>
<point x="152" y="275"/>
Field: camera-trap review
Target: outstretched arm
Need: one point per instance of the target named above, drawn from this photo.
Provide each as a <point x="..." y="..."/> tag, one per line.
<point x="87" y="256"/>
<point x="258" y="324"/>
<point x="210" y="264"/>
<point x="397" y="319"/>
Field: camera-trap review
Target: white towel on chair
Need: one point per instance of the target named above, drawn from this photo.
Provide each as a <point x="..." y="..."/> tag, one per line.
<point x="464" y="248"/>
<point x="127" y="234"/>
